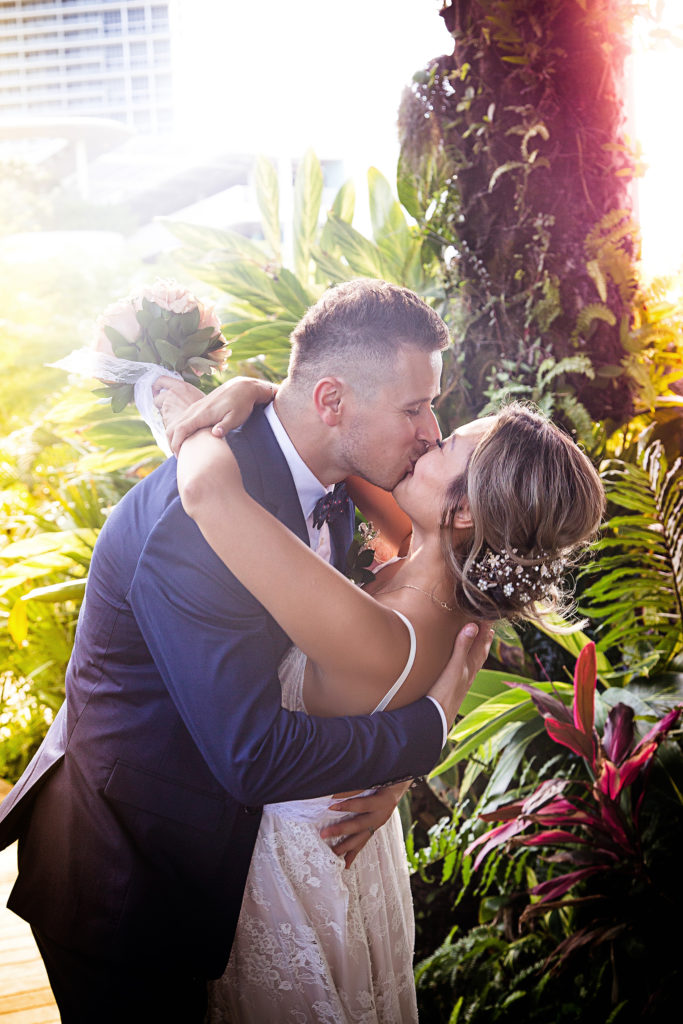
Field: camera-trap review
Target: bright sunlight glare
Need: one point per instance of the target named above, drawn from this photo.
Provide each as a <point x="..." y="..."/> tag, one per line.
<point x="278" y="78"/>
<point x="657" y="86"/>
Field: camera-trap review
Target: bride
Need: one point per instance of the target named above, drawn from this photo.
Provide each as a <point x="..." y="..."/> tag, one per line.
<point x="494" y="515"/>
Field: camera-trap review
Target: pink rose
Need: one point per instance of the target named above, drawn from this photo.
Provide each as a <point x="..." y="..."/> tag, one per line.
<point x="121" y="316"/>
<point x="170" y="295"/>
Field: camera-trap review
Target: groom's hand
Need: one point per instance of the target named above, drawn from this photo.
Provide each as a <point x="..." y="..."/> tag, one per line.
<point x="366" y="814"/>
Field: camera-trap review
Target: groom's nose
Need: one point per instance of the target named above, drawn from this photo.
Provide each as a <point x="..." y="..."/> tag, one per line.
<point x="428" y="428"/>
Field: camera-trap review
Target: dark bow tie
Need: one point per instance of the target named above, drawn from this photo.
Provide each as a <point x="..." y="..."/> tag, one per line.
<point x="331" y="505"/>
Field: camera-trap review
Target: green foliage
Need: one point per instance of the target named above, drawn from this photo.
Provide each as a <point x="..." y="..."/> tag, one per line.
<point x="595" y="956"/>
<point x="266" y="299"/>
<point x="636" y="592"/>
<point x="524" y="197"/>
<point x="484" y="976"/>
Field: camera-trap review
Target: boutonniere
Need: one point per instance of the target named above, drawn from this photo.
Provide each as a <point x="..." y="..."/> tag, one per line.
<point x="360" y="555"/>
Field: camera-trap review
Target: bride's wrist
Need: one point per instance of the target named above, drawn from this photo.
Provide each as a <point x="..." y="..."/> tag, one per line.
<point x="266" y="391"/>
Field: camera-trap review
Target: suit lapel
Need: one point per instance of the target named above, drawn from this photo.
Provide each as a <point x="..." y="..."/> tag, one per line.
<point x="265" y="472"/>
<point x="268" y="480"/>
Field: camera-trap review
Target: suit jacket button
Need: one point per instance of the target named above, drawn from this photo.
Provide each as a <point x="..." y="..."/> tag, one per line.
<point x="251" y="810"/>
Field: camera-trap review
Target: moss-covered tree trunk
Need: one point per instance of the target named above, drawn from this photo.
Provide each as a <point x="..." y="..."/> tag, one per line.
<point x="520" y="134"/>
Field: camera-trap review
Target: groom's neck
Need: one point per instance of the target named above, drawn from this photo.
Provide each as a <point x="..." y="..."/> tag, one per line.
<point x="309" y="435"/>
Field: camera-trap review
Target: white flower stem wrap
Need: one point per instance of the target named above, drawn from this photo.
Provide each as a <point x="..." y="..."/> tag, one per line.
<point x="162" y="329"/>
<point x="86" y="362"/>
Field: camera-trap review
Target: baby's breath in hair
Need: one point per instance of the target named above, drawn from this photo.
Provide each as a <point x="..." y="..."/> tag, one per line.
<point x="530" y="579"/>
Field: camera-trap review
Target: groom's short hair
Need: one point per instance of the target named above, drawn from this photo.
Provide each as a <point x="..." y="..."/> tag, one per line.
<point x="361" y="323"/>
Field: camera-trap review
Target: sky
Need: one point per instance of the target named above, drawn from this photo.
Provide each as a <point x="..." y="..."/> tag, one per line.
<point x="278" y="77"/>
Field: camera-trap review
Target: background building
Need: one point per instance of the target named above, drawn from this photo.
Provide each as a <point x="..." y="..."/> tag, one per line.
<point x="65" y="58"/>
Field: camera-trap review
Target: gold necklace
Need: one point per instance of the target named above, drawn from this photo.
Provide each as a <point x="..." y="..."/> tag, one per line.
<point x="410" y="586"/>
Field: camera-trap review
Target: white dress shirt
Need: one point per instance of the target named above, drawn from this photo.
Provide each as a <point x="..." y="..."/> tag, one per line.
<point x="308" y="487"/>
<point x="310" y="490"/>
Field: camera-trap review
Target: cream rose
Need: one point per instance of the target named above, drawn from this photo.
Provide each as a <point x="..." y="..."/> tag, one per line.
<point x="121" y="316"/>
<point x="170" y="295"/>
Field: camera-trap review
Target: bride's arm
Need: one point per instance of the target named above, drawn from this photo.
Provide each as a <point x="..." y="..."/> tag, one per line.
<point x="338" y="626"/>
<point x="186" y="410"/>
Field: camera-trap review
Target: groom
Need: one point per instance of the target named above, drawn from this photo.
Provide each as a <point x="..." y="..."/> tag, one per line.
<point x="137" y="817"/>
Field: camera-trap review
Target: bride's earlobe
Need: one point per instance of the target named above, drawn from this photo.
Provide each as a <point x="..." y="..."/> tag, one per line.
<point x="462" y="519"/>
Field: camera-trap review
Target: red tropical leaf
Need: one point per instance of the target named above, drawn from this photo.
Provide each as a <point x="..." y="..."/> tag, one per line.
<point x="569" y="736"/>
<point x="585" y="678"/>
<point x="552" y="837"/>
<point x="504" y="813"/>
<point x="617" y="739"/>
<point x="544" y="703"/>
<point x="555" y="887"/>
<point x="614" y="824"/>
<point x="662" y="726"/>
<point x="631" y="767"/>
<point x="548" y="790"/>
<point x="496" y="837"/>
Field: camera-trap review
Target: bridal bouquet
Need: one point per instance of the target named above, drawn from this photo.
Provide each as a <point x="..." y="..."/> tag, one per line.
<point x="163" y="329"/>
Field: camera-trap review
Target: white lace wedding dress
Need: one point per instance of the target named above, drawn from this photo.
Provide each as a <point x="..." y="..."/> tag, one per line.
<point x="318" y="942"/>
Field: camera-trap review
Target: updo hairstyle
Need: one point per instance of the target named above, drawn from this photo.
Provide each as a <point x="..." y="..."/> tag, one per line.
<point x="536" y="501"/>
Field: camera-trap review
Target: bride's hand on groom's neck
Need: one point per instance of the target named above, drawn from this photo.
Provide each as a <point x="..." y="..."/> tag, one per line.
<point x="470" y="651"/>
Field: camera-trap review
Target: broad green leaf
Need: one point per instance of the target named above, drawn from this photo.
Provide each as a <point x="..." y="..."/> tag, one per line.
<point x="485" y="720"/>
<point x="17" y="623"/>
<point x="362" y="256"/>
<point x="344" y="203"/>
<point x="573" y="643"/>
<point x="291" y="293"/>
<point x="392" y="234"/>
<point x="148" y="456"/>
<point x="332" y="267"/>
<point x="308" y="190"/>
<point x="208" y="240"/>
<point x="408" y="193"/>
<point x="69" y="590"/>
<point x="488" y="683"/>
<point x="124" y="434"/>
<point x="342" y="208"/>
<point x="34" y="568"/>
<point x="249" y="282"/>
<point x="387" y="217"/>
<point x="44" y="543"/>
<point x="268" y="198"/>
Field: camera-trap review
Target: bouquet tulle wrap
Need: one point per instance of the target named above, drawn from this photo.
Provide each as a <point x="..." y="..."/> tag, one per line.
<point x="162" y="330"/>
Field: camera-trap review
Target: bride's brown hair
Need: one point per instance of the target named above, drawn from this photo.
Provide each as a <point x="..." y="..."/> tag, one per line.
<point x="535" y="502"/>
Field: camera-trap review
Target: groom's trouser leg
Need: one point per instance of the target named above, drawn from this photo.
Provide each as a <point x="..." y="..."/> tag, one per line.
<point x="90" y="992"/>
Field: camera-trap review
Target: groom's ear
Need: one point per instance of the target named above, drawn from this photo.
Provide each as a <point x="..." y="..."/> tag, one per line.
<point x="327" y="399"/>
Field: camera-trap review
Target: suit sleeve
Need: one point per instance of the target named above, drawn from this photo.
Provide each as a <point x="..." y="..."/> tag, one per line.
<point x="217" y="651"/>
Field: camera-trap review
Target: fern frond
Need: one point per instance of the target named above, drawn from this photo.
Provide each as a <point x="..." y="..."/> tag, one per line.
<point x="636" y="589"/>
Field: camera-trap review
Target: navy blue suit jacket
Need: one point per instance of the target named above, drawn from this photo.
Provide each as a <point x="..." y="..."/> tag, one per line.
<point x="137" y="816"/>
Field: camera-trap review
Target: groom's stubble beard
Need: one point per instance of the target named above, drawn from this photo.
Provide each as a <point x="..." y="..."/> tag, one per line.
<point x="369" y="455"/>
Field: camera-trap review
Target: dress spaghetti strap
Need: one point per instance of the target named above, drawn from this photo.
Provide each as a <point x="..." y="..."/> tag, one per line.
<point x="409" y="664"/>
